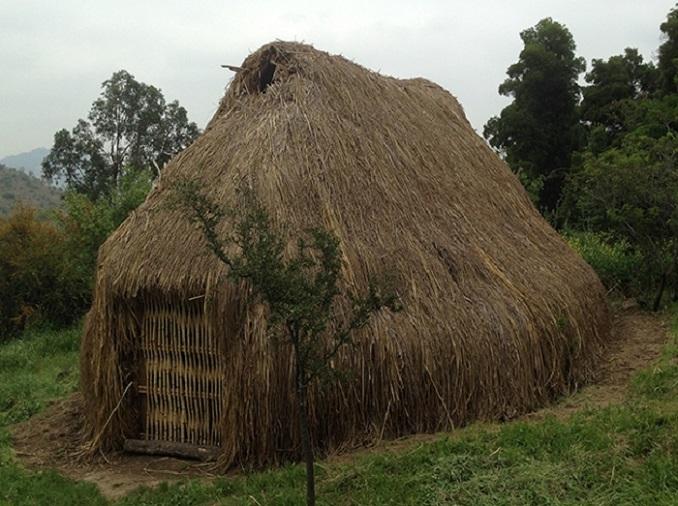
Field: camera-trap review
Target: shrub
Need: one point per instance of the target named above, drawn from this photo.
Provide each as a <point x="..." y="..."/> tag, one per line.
<point x="47" y="266"/>
<point x="631" y="192"/>
<point x="616" y="262"/>
<point x="88" y="223"/>
<point x="37" y="280"/>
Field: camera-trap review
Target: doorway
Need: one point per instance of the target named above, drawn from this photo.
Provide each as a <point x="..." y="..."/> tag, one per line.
<point x="181" y="379"/>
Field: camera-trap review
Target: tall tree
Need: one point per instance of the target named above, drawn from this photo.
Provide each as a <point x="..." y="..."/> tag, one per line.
<point x="612" y="84"/>
<point x="130" y="124"/>
<point x="538" y="131"/>
<point x="668" y="53"/>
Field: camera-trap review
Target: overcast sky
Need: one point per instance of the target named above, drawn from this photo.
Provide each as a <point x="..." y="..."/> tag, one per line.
<point x="54" y="55"/>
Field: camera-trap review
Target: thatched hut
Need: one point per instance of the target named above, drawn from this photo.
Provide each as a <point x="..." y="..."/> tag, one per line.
<point x="501" y="316"/>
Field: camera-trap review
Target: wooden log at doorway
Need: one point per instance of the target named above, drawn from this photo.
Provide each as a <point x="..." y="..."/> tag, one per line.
<point x="173" y="449"/>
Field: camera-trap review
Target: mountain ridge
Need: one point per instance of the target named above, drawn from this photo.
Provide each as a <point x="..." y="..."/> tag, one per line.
<point x="17" y="187"/>
<point x="28" y="161"/>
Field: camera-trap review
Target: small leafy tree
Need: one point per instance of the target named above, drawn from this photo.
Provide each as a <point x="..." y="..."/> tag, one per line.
<point x="87" y="223"/>
<point x="300" y="291"/>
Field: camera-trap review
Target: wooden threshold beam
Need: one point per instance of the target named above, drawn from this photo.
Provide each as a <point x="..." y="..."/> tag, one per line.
<point x="184" y="450"/>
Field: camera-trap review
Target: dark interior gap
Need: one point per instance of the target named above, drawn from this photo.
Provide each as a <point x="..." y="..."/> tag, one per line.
<point x="266" y="75"/>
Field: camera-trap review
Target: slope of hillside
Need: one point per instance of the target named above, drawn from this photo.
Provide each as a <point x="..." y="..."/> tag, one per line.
<point x="29" y="161"/>
<point x="17" y="186"/>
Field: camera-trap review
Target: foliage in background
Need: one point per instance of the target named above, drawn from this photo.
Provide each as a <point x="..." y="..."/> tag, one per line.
<point x="47" y="266"/>
<point x="607" y="165"/>
<point x="615" y="261"/>
<point x="533" y="185"/>
<point x="107" y="164"/>
<point x="38" y="280"/>
<point x="631" y="193"/>
<point x="614" y="85"/>
<point x="539" y="130"/>
<point x="130" y="124"/>
<point x="624" y="184"/>
<point x="668" y="53"/>
<point x="17" y="187"/>
<point x="87" y="223"/>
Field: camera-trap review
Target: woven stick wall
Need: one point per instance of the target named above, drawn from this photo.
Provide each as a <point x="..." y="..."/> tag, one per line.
<point x="183" y="374"/>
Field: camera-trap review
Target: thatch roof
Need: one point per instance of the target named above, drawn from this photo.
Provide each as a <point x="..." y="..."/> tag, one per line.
<point x="501" y="316"/>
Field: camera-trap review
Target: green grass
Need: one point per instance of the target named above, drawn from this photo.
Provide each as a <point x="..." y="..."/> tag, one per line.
<point x="39" y="367"/>
<point x="625" y="454"/>
<point x="35" y="369"/>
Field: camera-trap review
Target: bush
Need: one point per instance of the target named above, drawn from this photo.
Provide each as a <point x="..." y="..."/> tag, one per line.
<point x="631" y="193"/>
<point x="616" y="262"/>
<point x="37" y="280"/>
<point x="47" y="267"/>
<point x="88" y="223"/>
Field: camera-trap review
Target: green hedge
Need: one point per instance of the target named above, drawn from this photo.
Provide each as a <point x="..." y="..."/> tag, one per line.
<point x="618" y="265"/>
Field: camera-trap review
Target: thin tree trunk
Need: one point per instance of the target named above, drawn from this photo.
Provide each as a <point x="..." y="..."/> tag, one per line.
<point x="307" y="449"/>
<point x="658" y="299"/>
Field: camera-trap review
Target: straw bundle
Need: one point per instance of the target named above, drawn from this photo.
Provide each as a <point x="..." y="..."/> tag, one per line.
<point x="500" y="315"/>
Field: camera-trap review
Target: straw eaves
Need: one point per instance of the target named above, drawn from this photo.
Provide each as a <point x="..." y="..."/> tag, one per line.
<point x="501" y="316"/>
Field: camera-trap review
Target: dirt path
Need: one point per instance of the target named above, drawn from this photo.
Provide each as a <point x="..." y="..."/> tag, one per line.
<point x="52" y="438"/>
<point x="639" y="339"/>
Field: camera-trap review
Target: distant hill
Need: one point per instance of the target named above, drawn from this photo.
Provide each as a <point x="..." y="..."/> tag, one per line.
<point x="29" y="161"/>
<point x="17" y="186"/>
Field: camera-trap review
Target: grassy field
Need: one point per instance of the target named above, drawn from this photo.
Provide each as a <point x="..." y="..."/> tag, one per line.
<point x="625" y="454"/>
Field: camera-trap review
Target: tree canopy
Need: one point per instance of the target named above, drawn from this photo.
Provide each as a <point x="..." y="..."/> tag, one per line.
<point x="601" y="158"/>
<point x="539" y="130"/>
<point x="614" y="86"/>
<point x="130" y="124"/>
<point x="668" y="53"/>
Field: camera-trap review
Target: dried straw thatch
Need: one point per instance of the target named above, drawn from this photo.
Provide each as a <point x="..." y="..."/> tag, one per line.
<point x="501" y="316"/>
